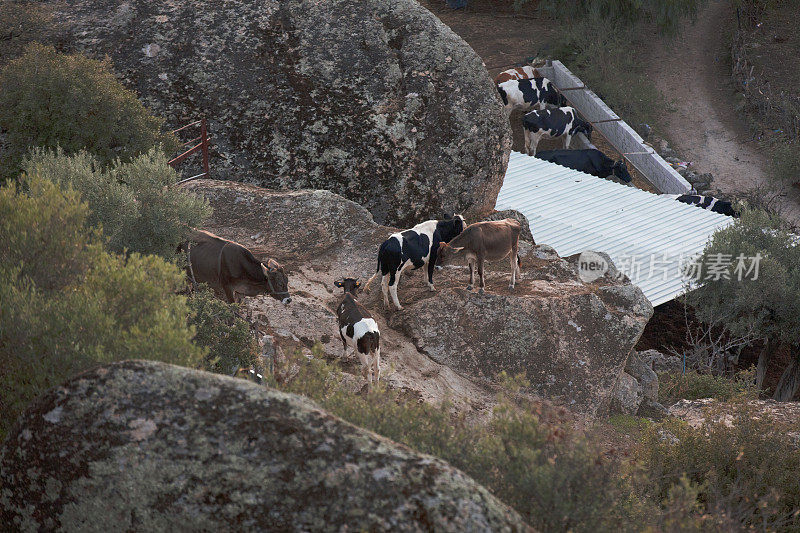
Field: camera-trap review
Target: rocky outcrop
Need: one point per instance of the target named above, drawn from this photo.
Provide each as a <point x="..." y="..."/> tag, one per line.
<point x="153" y="447"/>
<point x="525" y="234"/>
<point x="571" y="338"/>
<point x="377" y="101"/>
<point x="660" y="362"/>
<point x="637" y="390"/>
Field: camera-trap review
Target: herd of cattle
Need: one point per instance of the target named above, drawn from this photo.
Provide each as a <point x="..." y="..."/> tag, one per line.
<point x="523" y="88"/>
<point x="232" y="271"/>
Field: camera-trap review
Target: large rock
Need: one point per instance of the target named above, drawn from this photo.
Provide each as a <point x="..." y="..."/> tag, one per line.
<point x="152" y="447"/>
<point x="375" y="100"/>
<point x="570" y="338"/>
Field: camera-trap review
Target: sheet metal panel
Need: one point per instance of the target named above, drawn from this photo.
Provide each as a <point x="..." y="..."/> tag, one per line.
<point x="648" y="236"/>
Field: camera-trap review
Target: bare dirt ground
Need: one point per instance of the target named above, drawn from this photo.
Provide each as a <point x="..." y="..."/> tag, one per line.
<point x="693" y="72"/>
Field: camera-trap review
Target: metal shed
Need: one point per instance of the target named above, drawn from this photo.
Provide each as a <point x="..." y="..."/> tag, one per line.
<point x="650" y="238"/>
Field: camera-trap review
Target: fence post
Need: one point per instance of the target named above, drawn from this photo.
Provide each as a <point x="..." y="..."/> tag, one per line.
<point x="204" y="136"/>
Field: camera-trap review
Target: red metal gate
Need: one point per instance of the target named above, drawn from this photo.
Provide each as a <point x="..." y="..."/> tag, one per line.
<point x="202" y="146"/>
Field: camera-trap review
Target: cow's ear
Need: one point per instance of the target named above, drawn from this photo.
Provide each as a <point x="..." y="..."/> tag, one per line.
<point x="447" y="216"/>
<point x="358" y="284"/>
<point x="338" y="284"/>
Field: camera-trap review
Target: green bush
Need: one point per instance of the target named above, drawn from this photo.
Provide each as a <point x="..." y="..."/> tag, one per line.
<point x="68" y="305"/>
<point x="693" y="386"/>
<point x="554" y="478"/>
<point x="133" y="201"/>
<point x="222" y="332"/>
<point x="602" y="53"/>
<point x="51" y="99"/>
<point x="745" y="476"/>
<point x="765" y="308"/>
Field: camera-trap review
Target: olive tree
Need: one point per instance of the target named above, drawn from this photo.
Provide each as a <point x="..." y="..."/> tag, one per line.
<point x="760" y="291"/>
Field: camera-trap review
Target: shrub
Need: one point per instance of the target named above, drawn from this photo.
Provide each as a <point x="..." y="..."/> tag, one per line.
<point x="554" y="478"/>
<point x="667" y="14"/>
<point x="693" y="386"/>
<point x="133" y="201"/>
<point x="68" y="305"/>
<point x="745" y="476"/>
<point x="225" y="335"/>
<point x="50" y="99"/>
<point x="767" y="307"/>
<point x="601" y="53"/>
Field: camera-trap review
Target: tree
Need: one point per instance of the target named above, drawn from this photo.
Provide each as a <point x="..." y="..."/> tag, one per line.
<point x="133" y="202"/>
<point x="67" y="304"/>
<point x="51" y="99"/>
<point x="765" y="301"/>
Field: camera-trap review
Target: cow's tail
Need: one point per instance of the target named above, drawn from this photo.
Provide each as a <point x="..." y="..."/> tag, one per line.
<point x="377" y="270"/>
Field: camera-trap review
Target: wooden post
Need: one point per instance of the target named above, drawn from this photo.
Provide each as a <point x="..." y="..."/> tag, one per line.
<point x="204" y="136"/>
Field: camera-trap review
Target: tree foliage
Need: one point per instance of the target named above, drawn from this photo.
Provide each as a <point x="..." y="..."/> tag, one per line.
<point x="67" y="304"/>
<point x="133" y="201"/>
<point x="51" y="99"/>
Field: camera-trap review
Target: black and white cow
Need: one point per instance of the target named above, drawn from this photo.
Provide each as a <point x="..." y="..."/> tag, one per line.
<point x="413" y="248"/>
<point x="722" y="207"/>
<point x="359" y="330"/>
<point x="589" y="160"/>
<point x="528" y="93"/>
<point x="551" y="124"/>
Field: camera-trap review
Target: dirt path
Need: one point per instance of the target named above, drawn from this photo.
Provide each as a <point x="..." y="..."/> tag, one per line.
<point x="693" y="72"/>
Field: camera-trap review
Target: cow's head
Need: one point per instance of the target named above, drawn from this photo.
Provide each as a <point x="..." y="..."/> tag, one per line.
<point x="277" y="281"/>
<point x="450" y="226"/>
<point x="584" y="127"/>
<point x="350" y="285"/>
<point x="620" y="170"/>
<point x="447" y="254"/>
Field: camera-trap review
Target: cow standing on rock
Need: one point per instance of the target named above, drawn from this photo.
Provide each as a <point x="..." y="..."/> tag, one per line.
<point x="359" y="330"/>
<point x="231" y="270"/>
<point x="415" y="247"/>
<point x="492" y="240"/>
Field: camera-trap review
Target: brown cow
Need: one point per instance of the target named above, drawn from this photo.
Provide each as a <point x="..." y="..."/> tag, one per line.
<point x="231" y="270"/>
<point x="518" y="73"/>
<point x="485" y="241"/>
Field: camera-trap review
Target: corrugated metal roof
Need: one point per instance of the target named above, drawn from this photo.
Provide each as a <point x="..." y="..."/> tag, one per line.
<point x="647" y="236"/>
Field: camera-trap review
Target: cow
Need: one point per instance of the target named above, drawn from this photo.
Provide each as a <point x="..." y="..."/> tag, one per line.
<point x="231" y="270"/>
<point x="359" y="330"/>
<point x="722" y="207"/>
<point x="528" y="93"/>
<point x="517" y="73"/>
<point x="492" y="240"/>
<point x="551" y="124"/>
<point x="413" y="248"/>
<point x="590" y="160"/>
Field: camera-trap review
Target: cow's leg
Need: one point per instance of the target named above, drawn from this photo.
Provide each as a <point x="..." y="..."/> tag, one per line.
<point x="431" y="268"/>
<point x="366" y="370"/>
<point x="514" y="266"/>
<point x="385" y="289"/>
<point x="344" y="343"/>
<point x="480" y="275"/>
<point x="567" y="140"/>
<point x="393" y="288"/>
<point x="471" y="274"/>
<point x="527" y="135"/>
<point x="534" y="143"/>
<point x="229" y="295"/>
<point x="376" y="365"/>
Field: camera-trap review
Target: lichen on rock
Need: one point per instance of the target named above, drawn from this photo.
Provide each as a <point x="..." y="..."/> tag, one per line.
<point x="152" y="447"/>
